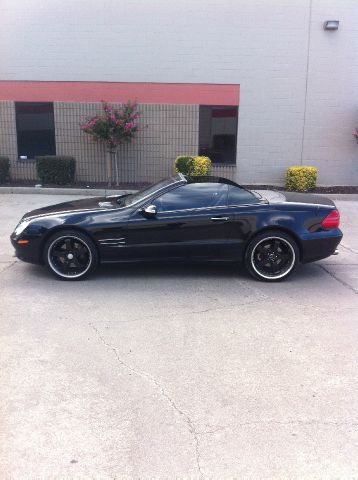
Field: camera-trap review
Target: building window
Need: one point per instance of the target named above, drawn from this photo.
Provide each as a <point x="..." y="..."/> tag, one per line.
<point x="35" y="128"/>
<point x="218" y="133"/>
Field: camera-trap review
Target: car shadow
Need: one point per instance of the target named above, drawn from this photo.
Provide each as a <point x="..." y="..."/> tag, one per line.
<point x="156" y="270"/>
<point x="170" y="270"/>
<point x="197" y="269"/>
<point x="167" y="269"/>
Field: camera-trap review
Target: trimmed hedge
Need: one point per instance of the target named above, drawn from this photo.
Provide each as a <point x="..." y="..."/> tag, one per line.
<point x="184" y="164"/>
<point x="193" y="166"/>
<point x="56" y="169"/>
<point x="301" y="179"/>
<point x="202" y="166"/>
<point x="4" y="169"/>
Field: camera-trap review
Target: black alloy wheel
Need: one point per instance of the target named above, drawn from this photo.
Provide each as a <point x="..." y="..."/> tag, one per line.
<point x="70" y="255"/>
<point x="271" y="256"/>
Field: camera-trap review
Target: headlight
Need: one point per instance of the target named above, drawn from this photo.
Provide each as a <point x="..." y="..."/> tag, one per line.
<point x="21" y="227"/>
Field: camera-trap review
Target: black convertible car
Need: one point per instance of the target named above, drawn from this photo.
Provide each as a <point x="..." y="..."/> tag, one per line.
<point x="206" y="218"/>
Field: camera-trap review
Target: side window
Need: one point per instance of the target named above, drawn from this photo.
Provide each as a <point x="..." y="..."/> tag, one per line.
<point x="193" y="195"/>
<point x="240" y="196"/>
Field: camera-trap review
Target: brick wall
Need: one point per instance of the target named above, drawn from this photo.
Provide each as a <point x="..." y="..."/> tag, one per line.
<point x="8" y="140"/>
<point x="168" y="131"/>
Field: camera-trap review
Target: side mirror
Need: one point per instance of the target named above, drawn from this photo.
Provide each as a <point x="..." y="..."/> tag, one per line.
<point x="149" y="211"/>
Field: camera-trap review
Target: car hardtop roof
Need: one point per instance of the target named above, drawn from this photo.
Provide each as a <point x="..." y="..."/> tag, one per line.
<point x="209" y="179"/>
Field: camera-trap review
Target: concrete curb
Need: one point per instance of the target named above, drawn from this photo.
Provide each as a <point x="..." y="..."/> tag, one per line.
<point x="102" y="192"/>
<point x="96" y="192"/>
<point x="353" y="197"/>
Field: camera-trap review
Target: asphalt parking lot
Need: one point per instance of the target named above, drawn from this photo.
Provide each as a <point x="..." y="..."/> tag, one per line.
<point x="178" y="371"/>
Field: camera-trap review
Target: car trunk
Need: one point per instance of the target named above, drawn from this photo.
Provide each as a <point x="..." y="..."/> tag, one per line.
<point x="274" y="196"/>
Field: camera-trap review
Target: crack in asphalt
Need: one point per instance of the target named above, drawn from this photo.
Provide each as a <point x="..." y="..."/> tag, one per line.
<point x="212" y="431"/>
<point x="341" y="264"/>
<point x="339" y="280"/>
<point x="164" y="393"/>
<point x="193" y="312"/>
<point x="315" y="306"/>
<point x="311" y="422"/>
<point x="11" y="264"/>
<point x="293" y="422"/>
<point x="349" y="249"/>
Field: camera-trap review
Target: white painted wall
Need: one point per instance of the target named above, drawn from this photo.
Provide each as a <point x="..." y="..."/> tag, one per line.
<point x="332" y="93"/>
<point x="299" y="84"/>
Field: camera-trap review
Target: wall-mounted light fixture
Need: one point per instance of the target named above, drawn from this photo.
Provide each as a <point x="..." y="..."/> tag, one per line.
<point x="331" y="25"/>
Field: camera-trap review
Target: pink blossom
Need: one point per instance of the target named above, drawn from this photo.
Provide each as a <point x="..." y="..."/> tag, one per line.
<point x="129" y="125"/>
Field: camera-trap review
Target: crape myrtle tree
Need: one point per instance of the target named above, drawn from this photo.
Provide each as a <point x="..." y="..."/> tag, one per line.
<point x="113" y="127"/>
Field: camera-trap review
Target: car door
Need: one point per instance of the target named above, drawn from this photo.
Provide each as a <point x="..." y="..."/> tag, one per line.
<point x="246" y="208"/>
<point x="191" y="221"/>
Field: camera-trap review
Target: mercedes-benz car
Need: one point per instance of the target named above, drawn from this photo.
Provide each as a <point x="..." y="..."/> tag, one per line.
<point x="182" y="219"/>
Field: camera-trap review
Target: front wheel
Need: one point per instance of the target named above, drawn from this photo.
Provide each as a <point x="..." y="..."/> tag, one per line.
<point x="70" y="255"/>
<point x="271" y="256"/>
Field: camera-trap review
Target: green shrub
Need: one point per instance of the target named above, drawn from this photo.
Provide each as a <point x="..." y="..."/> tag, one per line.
<point x="4" y="169"/>
<point x="184" y="164"/>
<point x="56" y="169"/>
<point x="193" y="166"/>
<point x="301" y="179"/>
<point x="202" y="166"/>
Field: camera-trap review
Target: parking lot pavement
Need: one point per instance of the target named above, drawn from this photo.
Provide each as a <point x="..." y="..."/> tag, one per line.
<point x="178" y="371"/>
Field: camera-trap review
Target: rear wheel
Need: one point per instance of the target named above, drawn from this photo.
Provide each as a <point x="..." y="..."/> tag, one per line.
<point x="271" y="256"/>
<point x="70" y="255"/>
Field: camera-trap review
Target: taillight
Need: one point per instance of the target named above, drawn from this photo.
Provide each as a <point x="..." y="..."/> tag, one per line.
<point x="332" y="220"/>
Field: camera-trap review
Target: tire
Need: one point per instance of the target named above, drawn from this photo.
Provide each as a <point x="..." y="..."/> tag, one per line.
<point x="70" y="255"/>
<point x="271" y="256"/>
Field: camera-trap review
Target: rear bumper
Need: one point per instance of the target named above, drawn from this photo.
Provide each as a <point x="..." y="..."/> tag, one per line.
<point x="322" y="247"/>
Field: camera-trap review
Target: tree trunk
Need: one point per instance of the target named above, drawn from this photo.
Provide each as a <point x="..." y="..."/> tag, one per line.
<point x="109" y="167"/>
<point x="117" y="167"/>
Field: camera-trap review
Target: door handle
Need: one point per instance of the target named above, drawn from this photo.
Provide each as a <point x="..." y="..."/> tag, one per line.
<point x="219" y="219"/>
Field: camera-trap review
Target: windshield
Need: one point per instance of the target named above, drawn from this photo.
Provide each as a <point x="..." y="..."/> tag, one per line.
<point x="142" y="194"/>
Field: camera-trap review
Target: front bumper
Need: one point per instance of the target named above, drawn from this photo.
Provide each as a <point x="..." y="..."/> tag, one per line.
<point x="29" y="252"/>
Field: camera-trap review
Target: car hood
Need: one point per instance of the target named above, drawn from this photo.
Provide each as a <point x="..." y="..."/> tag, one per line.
<point x="86" y="204"/>
<point x="274" y="196"/>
